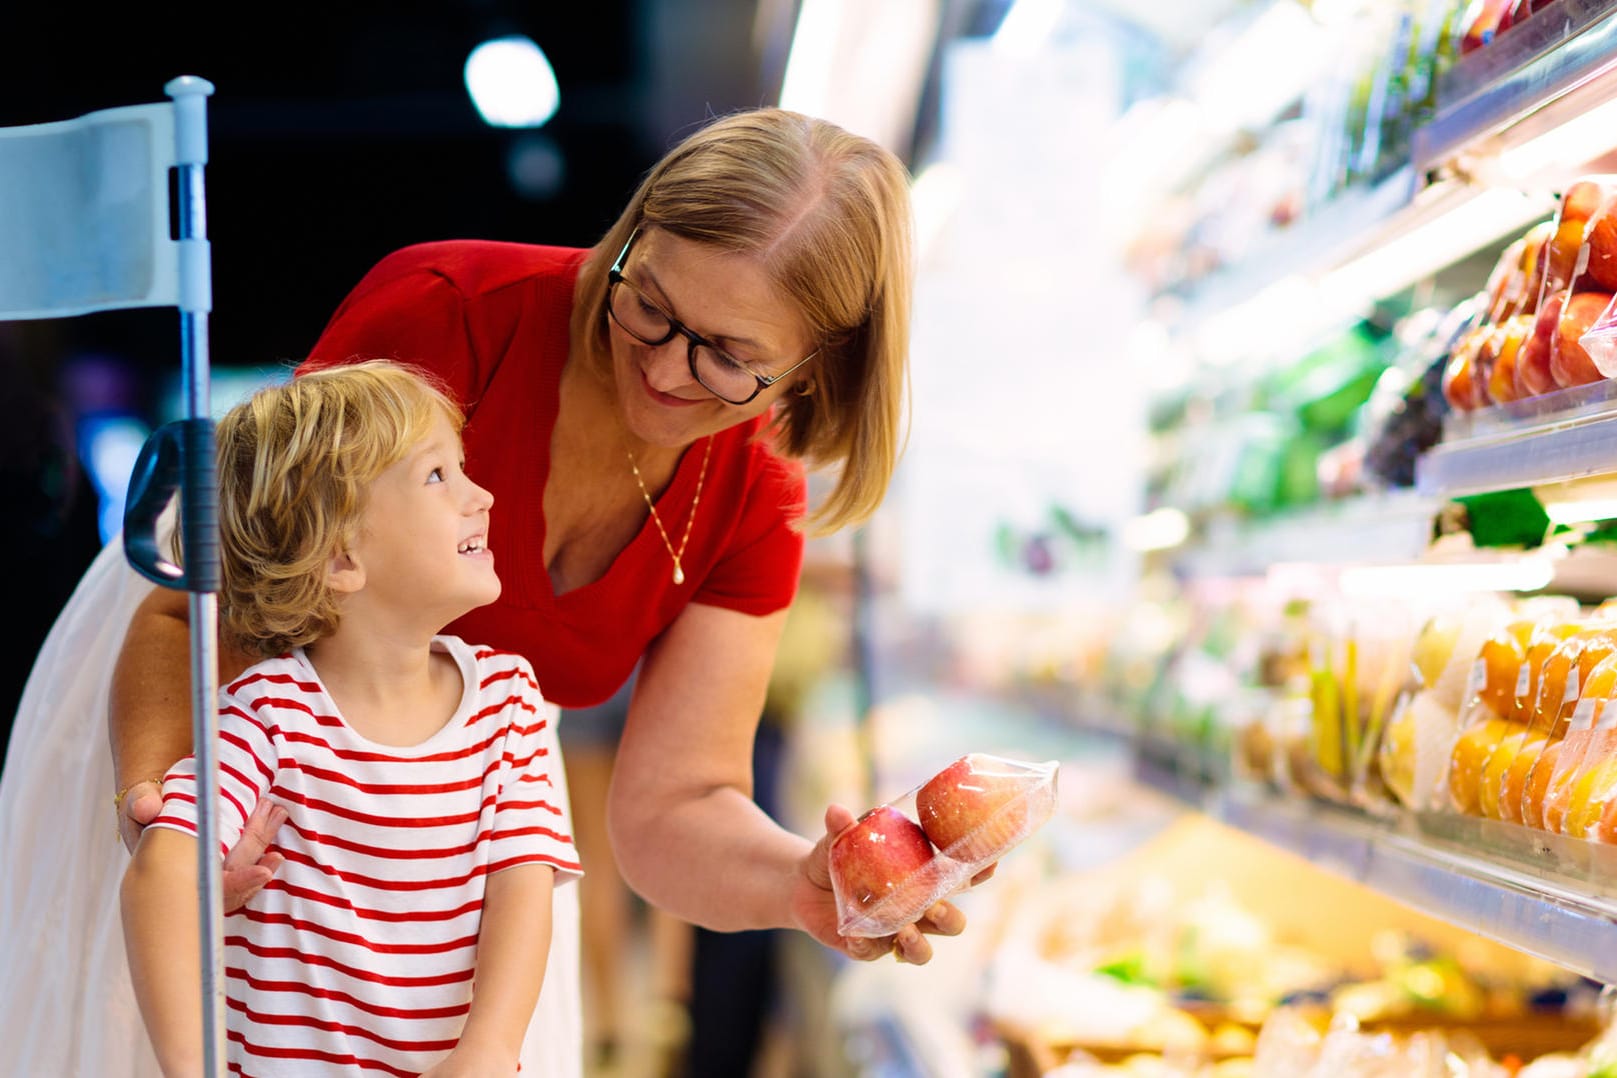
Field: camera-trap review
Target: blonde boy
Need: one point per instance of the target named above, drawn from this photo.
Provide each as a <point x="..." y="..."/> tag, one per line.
<point x="406" y="930"/>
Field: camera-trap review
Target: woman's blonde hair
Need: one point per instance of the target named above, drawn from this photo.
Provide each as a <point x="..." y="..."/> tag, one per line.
<point x="295" y="466"/>
<point x="827" y="214"/>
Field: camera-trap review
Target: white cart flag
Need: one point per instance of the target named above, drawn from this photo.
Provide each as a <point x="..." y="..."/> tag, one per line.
<point x="84" y="214"/>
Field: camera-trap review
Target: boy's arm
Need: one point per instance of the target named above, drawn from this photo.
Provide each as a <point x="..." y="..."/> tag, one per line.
<point x="512" y="946"/>
<point x="160" y="935"/>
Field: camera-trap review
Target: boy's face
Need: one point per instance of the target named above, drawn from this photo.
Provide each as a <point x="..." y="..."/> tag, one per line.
<point x="423" y="540"/>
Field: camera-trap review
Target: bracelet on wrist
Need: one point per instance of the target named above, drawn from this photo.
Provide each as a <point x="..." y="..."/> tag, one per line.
<point x="118" y="798"/>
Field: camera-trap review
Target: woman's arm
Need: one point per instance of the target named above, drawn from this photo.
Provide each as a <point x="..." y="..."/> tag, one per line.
<point x="149" y="725"/>
<point x="682" y="794"/>
<point x="149" y="706"/>
<point x="512" y="945"/>
<point x="161" y="939"/>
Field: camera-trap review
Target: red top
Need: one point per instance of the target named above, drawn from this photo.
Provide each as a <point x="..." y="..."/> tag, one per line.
<point x="491" y="320"/>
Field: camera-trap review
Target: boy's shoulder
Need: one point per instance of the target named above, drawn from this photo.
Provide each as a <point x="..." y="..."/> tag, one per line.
<point x="286" y="671"/>
<point x="490" y="663"/>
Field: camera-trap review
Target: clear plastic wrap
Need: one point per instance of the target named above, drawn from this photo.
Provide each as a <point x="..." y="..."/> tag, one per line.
<point x="1549" y="324"/>
<point x="1497" y="717"/>
<point x="1568" y="676"/>
<point x="896" y="860"/>
<point x="1550" y="788"/>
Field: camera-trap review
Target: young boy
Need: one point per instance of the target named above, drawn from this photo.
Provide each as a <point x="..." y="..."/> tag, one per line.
<point x="406" y="930"/>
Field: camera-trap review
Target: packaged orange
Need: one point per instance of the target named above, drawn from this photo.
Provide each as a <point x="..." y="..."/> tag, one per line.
<point x="1567" y="675"/>
<point x="1523" y="735"/>
<point x="1488" y="712"/>
<point x="1560" y="776"/>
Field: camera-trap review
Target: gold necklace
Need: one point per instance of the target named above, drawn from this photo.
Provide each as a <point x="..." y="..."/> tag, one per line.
<point x="679" y="573"/>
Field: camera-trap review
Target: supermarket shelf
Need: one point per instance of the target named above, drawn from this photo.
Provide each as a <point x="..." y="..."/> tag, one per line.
<point x="1536" y="77"/>
<point x="1557" y="920"/>
<point x="1525" y="451"/>
<point x="1310" y="247"/>
<point x="1522" y="902"/>
<point x="1528" y="80"/>
<point x="1385" y="528"/>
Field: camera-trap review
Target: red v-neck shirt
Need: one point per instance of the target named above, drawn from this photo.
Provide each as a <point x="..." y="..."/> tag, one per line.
<point x="491" y="319"/>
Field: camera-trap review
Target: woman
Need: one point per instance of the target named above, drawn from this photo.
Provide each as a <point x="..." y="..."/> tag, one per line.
<point x="638" y="410"/>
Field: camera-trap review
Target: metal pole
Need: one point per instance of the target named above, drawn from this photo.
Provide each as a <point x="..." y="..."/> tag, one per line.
<point x="200" y="540"/>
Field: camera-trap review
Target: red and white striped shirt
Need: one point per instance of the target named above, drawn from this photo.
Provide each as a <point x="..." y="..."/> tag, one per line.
<point x="358" y="956"/>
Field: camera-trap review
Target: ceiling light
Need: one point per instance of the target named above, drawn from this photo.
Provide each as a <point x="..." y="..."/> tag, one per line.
<point x="511" y="83"/>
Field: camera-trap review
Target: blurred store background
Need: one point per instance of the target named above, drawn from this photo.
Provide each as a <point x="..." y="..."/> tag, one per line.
<point x="1236" y="482"/>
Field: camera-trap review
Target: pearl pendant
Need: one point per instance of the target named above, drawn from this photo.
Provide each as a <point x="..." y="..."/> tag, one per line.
<point x="679" y="574"/>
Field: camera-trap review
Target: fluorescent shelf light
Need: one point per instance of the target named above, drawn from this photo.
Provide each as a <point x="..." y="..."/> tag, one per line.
<point x="1160" y="529"/>
<point x="1432" y="244"/>
<point x="1581" y="501"/>
<point x="1393" y="581"/>
<point x="1584" y="512"/>
<point x="1577" y="141"/>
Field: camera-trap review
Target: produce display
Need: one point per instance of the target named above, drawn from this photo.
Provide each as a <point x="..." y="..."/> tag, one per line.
<point x="1547" y="302"/>
<point x="1208" y="955"/>
<point x="891" y="864"/>
<point x="1470" y="728"/>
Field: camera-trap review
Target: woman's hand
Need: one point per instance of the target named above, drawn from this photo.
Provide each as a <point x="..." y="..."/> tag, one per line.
<point x="815" y="907"/>
<point x="249" y="865"/>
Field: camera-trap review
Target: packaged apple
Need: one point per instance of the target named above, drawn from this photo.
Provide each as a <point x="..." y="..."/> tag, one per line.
<point x="889" y="866"/>
<point x="1580" y="275"/>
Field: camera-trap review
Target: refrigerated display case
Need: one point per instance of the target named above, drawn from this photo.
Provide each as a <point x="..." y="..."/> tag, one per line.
<point x="1509" y="128"/>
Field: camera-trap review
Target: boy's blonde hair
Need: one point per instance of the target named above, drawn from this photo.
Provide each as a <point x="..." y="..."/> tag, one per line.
<point x="295" y="466"/>
<point x="827" y="213"/>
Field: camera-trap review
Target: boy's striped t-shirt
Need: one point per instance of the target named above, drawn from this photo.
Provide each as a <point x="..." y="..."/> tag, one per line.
<point x="358" y="956"/>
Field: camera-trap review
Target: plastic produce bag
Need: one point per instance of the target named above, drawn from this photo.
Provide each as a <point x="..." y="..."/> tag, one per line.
<point x="895" y="861"/>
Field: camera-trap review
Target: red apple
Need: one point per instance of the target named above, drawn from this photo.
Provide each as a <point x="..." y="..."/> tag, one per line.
<point x="1602" y="241"/>
<point x="973" y="810"/>
<point x="1485" y="16"/>
<point x="1569" y="362"/>
<point x="874" y="856"/>
<point x="1533" y="361"/>
<point x="1580" y="202"/>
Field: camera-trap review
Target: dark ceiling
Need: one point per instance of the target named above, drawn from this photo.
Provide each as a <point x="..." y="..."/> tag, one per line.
<point x="336" y="134"/>
<point x="341" y="132"/>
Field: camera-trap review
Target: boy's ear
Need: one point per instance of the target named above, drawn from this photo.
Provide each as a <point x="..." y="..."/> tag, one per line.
<point x="344" y="574"/>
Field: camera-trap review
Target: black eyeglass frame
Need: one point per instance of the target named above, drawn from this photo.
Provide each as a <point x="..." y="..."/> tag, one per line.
<point x="693" y="340"/>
